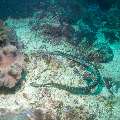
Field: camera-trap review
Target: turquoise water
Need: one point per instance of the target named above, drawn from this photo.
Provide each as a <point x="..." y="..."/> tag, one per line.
<point x="59" y="60"/>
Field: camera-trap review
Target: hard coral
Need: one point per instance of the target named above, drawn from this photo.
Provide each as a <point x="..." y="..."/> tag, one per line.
<point x="11" y="66"/>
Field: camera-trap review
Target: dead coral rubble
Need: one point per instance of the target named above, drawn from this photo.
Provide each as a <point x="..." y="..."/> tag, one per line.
<point x="11" y="60"/>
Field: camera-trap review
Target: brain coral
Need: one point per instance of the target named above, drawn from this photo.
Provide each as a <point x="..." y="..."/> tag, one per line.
<point x="11" y="66"/>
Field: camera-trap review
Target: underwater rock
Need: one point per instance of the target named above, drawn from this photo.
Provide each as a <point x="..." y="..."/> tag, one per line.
<point x="101" y="54"/>
<point x="53" y="31"/>
<point x="66" y="113"/>
<point x="3" y="34"/>
<point x="72" y="36"/>
<point x="43" y="114"/>
<point x="7" y="36"/>
<point x="28" y="114"/>
<point x="11" y="66"/>
<point x="68" y="30"/>
<point x="6" y="114"/>
<point x="75" y="38"/>
<point x="77" y="113"/>
<point x="11" y="60"/>
<point x="56" y="33"/>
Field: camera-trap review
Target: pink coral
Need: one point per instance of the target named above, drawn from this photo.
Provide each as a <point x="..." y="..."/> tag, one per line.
<point x="11" y="66"/>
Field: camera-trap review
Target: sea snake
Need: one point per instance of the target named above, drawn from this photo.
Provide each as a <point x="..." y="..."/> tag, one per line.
<point x="76" y="90"/>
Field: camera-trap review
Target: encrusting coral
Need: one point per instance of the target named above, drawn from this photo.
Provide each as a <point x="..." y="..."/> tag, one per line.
<point x="11" y="60"/>
<point x="11" y="65"/>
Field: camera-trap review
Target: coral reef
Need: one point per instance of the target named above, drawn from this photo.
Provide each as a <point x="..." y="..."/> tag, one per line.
<point x="3" y="34"/>
<point x="56" y="28"/>
<point x="11" y="60"/>
<point x="11" y="66"/>
<point x="64" y="78"/>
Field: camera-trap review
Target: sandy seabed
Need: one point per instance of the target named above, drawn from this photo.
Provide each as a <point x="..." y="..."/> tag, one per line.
<point x="59" y="70"/>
